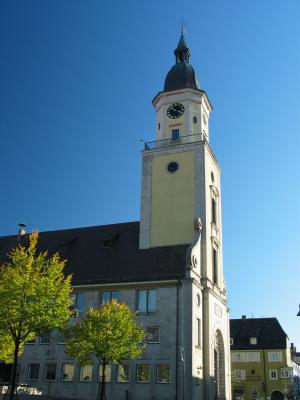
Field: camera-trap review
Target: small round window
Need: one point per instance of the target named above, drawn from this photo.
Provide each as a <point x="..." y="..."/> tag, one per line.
<point x="172" y="167"/>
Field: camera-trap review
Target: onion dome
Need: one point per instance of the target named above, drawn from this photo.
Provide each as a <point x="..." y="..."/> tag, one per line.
<point x="182" y="74"/>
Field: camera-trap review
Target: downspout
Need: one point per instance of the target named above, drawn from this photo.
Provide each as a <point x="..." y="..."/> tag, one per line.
<point x="265" y="380"/>
<point x="177" y="338"/>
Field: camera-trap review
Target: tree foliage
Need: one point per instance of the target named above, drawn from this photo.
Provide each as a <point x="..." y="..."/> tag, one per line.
<point x="106" y="335"/>
<point x="34" y="297"/>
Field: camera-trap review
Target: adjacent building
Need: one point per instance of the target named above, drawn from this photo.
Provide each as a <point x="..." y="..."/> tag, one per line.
<point x="262" y="364"/>
<point x="167" y="266"/>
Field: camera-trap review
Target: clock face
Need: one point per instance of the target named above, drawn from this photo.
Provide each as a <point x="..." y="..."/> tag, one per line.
<point x="175" y="110"/>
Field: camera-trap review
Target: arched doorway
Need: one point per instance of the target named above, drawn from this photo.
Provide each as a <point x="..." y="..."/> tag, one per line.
<point x="277" y="395"/>
<point x="219" y="366"/>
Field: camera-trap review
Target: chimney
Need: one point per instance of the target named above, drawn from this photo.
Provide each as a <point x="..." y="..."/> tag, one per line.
<point x="244" y="317"/>
<point x="21" y="231"/>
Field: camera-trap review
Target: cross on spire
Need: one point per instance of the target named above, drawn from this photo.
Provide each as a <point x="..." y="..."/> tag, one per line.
<point x="183" y="26"/>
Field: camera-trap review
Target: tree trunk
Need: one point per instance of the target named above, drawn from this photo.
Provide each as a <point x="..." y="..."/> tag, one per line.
<point x="14" y="370"/>
<point x="102" y="394"/>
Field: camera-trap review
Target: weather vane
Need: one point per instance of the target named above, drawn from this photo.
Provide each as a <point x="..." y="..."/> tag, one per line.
<point x="183" y="25"/>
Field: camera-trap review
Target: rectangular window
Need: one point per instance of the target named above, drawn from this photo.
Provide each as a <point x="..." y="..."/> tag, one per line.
<point x="67" y="374"/>
<point x="215" y="266"/>
<point x="109" y="296"/>
<point x="61" y="337"/>
<point x="143" y="373"/>
<point x="275" y="356"/>
<point x="231" y="341"/>
<point x="252" y="356"/>
<point x="86" y="373"/>
<point x="77" y="303"/>
<point x="163" y="373"/>
<point x="273" y="374"/>
<point x="198" y="332"/>
<point x="236" y="357"/>
<point x="107" y="373"/>
<point x="175" y="134"/>
<point x="286" y="373"/>
<point x="152" y="334"/>
<point x="33" y="371"/>
<point x="240" y="374"/>
<point x="45" y="338"/>
<point x="146" y="301"/>
<point x="50" y="371"/>
<point x="123" y="373"/>
<point x="214" y="211"/>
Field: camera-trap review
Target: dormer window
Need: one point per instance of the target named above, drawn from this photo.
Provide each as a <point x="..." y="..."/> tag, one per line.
<point x="253" y="340"/>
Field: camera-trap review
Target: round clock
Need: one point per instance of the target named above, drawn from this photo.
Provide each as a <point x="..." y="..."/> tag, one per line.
<point x="175" y="110"/>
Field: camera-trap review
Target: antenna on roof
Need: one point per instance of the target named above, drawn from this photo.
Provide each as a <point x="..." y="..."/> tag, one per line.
<point x="21" y="231"/>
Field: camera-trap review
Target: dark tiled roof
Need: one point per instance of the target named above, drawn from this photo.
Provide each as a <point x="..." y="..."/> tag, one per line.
<point x="268" y="332"/>
<point x="108" y="254"/>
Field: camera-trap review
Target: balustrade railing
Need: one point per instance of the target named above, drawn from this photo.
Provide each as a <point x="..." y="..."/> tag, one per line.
<point x="181" y="140"/>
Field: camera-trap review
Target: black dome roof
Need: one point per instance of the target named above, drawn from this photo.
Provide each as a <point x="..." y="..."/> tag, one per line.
<point x="182" y="74"/>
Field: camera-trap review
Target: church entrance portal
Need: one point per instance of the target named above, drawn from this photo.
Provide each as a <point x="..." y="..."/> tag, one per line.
<point x="219" y="367"/>
<point x="276" y="395"/>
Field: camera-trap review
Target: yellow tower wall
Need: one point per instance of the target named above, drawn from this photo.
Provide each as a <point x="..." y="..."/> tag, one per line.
<point x="172" y="213"/>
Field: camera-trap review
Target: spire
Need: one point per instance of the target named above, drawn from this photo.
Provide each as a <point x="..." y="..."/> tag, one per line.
<point x="182" y="52"/>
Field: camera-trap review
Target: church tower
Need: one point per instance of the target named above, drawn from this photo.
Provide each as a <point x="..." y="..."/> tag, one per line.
<point x="181" y="204"/>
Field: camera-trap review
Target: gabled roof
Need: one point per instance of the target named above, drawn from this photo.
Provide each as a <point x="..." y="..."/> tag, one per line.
<point x="107" y="254"/>
<point x="268" y="332"/>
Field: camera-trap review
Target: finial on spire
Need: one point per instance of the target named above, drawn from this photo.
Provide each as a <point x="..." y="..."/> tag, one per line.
<point x="183" y="26"/>
<point x="182" y="52"/>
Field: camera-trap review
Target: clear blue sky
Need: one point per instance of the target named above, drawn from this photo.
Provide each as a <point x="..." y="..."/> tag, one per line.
<point x="76" y="83"/>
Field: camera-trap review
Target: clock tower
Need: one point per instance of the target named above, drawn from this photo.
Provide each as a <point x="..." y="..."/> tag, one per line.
<point x="181" y="205"/>
<point x="180" y="171"/>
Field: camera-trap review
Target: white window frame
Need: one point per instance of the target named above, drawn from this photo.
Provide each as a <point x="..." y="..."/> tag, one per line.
<point x="271" y="371"/>
<point x="285" y="373"/>
<point x="170" y="374"/>
<point x="81" y="373"/>
<point x="275" y="356"/>
<point x="137" y="374"/>
<point x="62" y="372"/>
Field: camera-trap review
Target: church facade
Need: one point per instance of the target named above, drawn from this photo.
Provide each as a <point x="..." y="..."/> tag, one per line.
<point x="168" y="267"/>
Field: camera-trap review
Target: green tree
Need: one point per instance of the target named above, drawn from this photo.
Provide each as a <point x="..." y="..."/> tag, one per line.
<point x="34" y="298"/>
<point x="105" y="336"/>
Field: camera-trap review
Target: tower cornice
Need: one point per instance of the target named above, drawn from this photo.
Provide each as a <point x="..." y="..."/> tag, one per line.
<point x="188" y="91"/>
